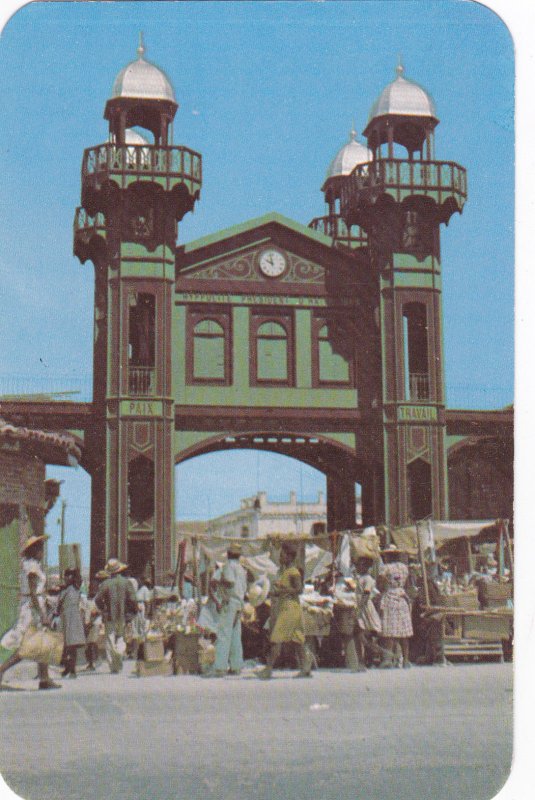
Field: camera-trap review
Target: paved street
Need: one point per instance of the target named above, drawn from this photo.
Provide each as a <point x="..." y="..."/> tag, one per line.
<point x="429" y="733"/>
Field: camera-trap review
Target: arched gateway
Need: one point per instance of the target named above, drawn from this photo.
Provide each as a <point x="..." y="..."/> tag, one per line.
<point x="320" y="342"/>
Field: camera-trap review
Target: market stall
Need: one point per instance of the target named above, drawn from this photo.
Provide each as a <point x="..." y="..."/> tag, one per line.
<point x="467" y="577"/>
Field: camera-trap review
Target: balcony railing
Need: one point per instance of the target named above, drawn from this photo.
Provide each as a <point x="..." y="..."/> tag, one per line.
<point x="141" y="381"/>
<point x="83" y="222"/>
<point x="440" y="180"/>
<point x="335" y="227"/>
<point x="418" y="386"/>
<point x="175" y="163"/>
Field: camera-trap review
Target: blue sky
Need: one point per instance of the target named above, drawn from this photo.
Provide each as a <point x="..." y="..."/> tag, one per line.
<point x="267" y="93"/>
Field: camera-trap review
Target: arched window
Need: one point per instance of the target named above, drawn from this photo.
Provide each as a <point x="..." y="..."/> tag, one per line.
<point x="209" y="350"/>
<point x="332" y="367"/>
<point x="272" y="353"/>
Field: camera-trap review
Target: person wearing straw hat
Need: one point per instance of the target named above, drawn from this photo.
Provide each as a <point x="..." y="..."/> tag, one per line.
<point x="228" y="648"/>
<point x="32" y="608"/>
<point x="115" y="598"/>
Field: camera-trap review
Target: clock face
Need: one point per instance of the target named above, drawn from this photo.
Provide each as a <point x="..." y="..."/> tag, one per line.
<point x="272" y="263"/>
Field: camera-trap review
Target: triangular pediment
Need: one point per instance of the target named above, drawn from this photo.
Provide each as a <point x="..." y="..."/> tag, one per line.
<point x="243" y="255"/>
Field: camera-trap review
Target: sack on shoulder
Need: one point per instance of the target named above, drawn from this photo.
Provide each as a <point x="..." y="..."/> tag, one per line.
<point x="42" y="645"/>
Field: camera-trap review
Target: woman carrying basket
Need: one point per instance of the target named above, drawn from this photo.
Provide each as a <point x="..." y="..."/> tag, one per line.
<point x="32" y="608"/>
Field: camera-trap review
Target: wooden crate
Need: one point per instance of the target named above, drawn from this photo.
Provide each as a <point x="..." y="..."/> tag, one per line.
<point x="147" y="669"/>
<point x="186" y="654"/>
<point x="488" y="629"/>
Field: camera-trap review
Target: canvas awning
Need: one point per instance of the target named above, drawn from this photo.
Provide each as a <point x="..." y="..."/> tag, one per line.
<point x="436" y="533"/>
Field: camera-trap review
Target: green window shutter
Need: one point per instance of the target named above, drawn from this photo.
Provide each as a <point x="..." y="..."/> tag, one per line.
<point x="9" y="573"/>
<point x="209" y="351"/>
<point x="333" y="368"/>
<point x="272" y="352"/>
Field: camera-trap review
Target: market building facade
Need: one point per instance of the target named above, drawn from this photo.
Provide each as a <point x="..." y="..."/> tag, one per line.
<point x="320" y="342"/>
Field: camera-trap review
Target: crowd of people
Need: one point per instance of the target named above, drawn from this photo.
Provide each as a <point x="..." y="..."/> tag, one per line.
<point x="378" y="613"/>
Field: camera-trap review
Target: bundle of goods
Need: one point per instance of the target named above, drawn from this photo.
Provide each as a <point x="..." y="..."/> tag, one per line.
<point x="206" y="654"/>
<point x="317" y="612"/>
<point x="155" y="661"/>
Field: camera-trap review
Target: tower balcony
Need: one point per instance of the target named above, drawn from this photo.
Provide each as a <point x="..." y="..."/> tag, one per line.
<point x="141" y="381"/>
<point x="176" y="169"/>
<point x="418" y="388"/>
<point x="442" y="182"/>
<point x="85" y="229"/>
<point x="335" y="227"/>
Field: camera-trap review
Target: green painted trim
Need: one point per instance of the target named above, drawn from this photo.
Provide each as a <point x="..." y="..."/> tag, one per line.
<point x="141" y="408"/>
<point x="231" y="252"/>
<point x="417" y="413"/>
<point x="241" y="394"/>
<point x="418" y="280"/>
<point x="303" y="348"/>
<point x="240" y="358"/>
<point x="156" y="272"/>
<point x="178" y="344"/>
<point x="453" y="439"/>
<point x="257" y="222"/>
<point x="258" y="299"/>
<point x="349" y="439"/>
<point x="186" y="439"/>
<point x="138" y="250"/>
<point x="410" y="261"/>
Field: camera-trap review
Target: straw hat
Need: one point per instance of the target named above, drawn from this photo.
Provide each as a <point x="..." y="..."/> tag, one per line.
<point x="114" y="566"/>
<point x="31" y="541"/>
<point x="234" y="549"/>
<point x="258" y="591"/>
<point x="101" y="575"/>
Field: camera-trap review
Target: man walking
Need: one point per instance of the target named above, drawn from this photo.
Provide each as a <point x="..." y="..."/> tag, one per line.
<point x="115" y="598"/>
<point x="233" y="582"/>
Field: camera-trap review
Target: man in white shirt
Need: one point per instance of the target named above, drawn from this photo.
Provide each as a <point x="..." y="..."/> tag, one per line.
<point x="233" y="582"/>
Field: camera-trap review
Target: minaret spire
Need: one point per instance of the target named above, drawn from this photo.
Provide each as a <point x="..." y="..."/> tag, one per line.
<point x="141" y="46"/>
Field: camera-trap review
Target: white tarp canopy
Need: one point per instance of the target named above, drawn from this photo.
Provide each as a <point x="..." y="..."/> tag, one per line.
<point x="435" y="533"/>
<point x="260" y="555"/>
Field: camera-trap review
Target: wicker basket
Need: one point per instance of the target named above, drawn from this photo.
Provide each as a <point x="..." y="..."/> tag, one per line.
<point x="186" y="653"/>
<point x="316" y="623"/>
<point x="467" y="600"/>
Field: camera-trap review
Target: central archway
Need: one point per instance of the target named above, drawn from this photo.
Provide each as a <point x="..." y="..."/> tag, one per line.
<point x="335" y="460"/>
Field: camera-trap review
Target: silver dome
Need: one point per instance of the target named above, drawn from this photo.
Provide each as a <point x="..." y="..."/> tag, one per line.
<point x="144" y="80"/>
<point x="403" y="97"/>
<point x="133" y="137"/>
<point x="347" y="158"/>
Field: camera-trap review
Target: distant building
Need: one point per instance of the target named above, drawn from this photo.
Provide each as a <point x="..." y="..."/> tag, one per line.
<point x="257" y="516"/>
